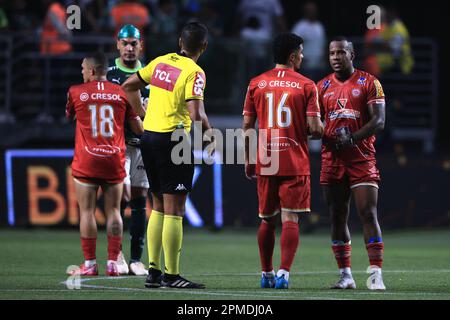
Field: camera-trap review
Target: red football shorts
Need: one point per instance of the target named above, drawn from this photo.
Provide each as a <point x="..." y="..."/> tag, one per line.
<point x="93" y="182"/>
<point x="364" y="173"/>
<point x="276" y="193"/>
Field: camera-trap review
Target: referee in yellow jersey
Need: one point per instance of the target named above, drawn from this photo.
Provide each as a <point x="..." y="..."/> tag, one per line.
<point x="175" y="100"/>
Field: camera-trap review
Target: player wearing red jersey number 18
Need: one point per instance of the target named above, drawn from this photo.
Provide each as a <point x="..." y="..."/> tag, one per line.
<point x="100" y="109"/>
<point x="352" y="102"/>
<point x="285" y="104"/>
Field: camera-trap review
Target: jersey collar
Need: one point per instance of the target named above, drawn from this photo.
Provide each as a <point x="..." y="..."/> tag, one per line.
<point x="125" y="69"/>
<point x="336" y="80"/>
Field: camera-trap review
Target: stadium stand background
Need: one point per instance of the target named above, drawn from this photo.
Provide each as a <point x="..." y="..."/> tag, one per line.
<point x="413" y="152"/>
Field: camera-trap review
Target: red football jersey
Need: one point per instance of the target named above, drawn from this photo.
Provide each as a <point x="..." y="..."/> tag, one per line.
<point x="100" y="109"/>
<point x="282" y="99"/>
<point x="344" y="107"/>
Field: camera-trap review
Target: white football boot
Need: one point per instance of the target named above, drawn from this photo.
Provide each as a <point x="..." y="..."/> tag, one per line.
<point x="345" y="282"/>
<point x="122" y="265"/>
<point x="138" y="269"/>
<point x="375" y="280"/>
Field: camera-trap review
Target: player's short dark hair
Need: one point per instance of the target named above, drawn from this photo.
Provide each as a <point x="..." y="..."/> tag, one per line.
<point x="194" y="35"/>
<point x="99" y="62"/>
<point x="283" y="45"/>
<point x="342" y="38"/>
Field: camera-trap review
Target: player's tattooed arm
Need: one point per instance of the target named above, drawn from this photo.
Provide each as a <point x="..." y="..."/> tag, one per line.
<point x="377" y="116"/>
<point x="250" y="157"/>
<point x="132" y="88"/>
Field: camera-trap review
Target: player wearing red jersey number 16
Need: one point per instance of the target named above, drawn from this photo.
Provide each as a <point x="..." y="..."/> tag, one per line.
<point x="100" y="109"/>
<point x="352" y="102"/>
<point x="285" y="104"/>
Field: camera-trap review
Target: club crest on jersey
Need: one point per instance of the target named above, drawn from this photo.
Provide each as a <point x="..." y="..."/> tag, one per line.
<point x="356" y="92"/>
<point x="262" y="84"/>
<point x="361" y="81"/>
<point x="84" y="96"/>
<point x="342" y="103"/>
<point x="326" y="84"/>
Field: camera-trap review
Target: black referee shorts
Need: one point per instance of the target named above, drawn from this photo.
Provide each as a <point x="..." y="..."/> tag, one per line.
<point x="165" y="176"/>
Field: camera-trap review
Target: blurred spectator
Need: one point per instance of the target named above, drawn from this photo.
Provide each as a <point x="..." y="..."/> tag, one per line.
<point x="211" y="17"/>
<point x="190" y="10"/>
<point x="390" y="45"/>
<point x="313" y="33"/>
<point x="93" y="14"/>
<point x="55" y="36"/>
<point x="130" y="12"/>
<point x="21" y="17"/>
<point x="256" y="48"/>
<point x="4" y="23"/>
<point x="372" y="46"/>
<point x="165" y="18"/>
<point x="259" y="21"/>
<point x="269" y="14"/>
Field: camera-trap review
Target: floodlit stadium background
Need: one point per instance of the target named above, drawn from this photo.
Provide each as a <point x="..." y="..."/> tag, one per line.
<point x="35" y="148"/>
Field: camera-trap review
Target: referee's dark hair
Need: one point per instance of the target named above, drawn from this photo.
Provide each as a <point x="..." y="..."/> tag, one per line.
<point x="193" y="36"/>
<point x="283" y="45"/>
<point x="99" y="62"/>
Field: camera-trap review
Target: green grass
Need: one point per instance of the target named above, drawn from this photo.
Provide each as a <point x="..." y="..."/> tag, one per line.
<point x="417" y="266"/>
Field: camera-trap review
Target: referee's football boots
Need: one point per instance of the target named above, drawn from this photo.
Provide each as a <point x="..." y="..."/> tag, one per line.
<point x="153" y="279"/>
<point x="178" y="282"/>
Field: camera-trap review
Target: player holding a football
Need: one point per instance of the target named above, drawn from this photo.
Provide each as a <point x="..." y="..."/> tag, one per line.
<point x="135" y="187"/>
<point x="353" y="107"/>
<point x="285" y="104"/>
<point x="100" y="109"/>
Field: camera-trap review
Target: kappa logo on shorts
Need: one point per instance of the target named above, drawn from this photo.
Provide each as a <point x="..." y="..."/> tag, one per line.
<point x="180" y="187"/>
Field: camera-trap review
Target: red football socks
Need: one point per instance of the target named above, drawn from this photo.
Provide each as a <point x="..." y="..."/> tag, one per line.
<point x="88" y="245"/>
<point x="266" y="243"/>
<point x="343" y="254"/>
<point x="289" y="243"/>
<point x="114" y="245"/>
<point x="375" y="252"/>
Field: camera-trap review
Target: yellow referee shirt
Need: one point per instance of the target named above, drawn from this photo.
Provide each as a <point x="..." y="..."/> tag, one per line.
<point x="174" y="79"/>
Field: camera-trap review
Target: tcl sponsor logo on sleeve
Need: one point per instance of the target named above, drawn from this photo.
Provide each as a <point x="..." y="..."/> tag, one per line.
<point x="199" y="85"/>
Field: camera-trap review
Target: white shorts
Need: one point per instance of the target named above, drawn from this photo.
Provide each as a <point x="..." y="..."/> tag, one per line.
<point x="134" y="166"/>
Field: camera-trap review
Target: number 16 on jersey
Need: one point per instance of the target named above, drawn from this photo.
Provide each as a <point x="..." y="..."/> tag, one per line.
<point x="283" y="112"/>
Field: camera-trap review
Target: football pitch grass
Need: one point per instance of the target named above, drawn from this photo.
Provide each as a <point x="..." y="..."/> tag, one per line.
<point x="417" y="266"/>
